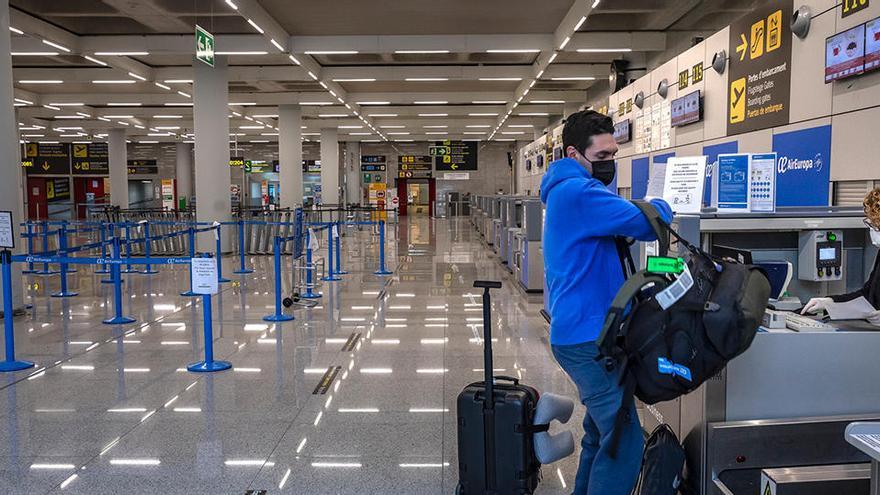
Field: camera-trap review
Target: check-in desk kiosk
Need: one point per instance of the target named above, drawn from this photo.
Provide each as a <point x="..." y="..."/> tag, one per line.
<point x="786" y="401"/>
<point x="511" y="213"/>
<point x="528" y="260"/>
<point x="493" y="221"/>
<point x="514" y="228"/>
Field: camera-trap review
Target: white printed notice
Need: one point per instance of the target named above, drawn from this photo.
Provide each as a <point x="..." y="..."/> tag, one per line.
<point x="685" y="180"/>
<point x="762" y="182"/>
<point x="204" y="275"/>
<point x="7" y="235"/>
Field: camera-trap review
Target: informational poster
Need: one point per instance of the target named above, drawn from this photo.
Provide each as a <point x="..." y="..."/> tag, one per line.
<point x="47" y="158"/>
<point x="168" y="195"/>
<point x="684" y="181"/>
<point x="91" y="159"/>
<point x="733" y="183"/>
<point x="760" y="68"/>
<point x="311" y="166"/>
<point x="462" y="156"/>
<point x="204" y="275"/>
<point x="378" y="192"/>
<point x="712" y="152"/>
<point x="7" y="234"/>
<point x="763" y="183"/>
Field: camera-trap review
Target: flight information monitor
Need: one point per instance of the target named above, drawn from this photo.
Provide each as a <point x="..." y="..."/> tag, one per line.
<point x="845" y="54"/>
<point x="686" y="110"/>
<point x="872" y="45"/>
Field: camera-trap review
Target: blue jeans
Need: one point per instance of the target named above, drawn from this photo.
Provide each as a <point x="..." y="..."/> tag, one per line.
<point x="598" y="473"/>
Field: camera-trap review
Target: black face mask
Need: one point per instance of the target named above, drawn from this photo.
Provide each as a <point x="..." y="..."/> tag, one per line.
<point x="604" y="171"/>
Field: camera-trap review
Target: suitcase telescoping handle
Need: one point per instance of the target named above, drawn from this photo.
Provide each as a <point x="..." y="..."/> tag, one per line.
<point x="489" y="402"/>
<point x="486" y="285"/>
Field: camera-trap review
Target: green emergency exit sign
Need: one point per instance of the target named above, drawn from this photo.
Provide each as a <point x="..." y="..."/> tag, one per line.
<point x="204" y="46"/>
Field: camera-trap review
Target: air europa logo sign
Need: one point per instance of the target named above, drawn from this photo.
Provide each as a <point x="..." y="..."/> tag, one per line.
<point x="786" y="164"/>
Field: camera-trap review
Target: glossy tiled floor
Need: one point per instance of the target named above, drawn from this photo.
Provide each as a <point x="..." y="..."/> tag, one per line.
<point x="112" y="409"/>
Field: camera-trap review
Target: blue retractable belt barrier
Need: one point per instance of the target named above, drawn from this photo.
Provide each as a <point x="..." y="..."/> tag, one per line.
<point x="382" y="270"/>
<point x="208" y="365"/>
<point x="10" y="364"/>
<point x="241" y="269"/>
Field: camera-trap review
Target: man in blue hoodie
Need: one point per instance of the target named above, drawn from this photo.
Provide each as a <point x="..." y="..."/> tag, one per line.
<point x="584" y="273"/>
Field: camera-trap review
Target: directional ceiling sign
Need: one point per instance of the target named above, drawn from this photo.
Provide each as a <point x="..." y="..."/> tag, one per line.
<point x="204" y="46"/>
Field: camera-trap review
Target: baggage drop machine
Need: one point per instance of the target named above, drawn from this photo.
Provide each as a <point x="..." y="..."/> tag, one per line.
<point x="528" y="257"/>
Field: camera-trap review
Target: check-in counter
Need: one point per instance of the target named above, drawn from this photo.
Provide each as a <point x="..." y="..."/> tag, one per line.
<point x="785" y="402"/>
<point x="528" y="260"/>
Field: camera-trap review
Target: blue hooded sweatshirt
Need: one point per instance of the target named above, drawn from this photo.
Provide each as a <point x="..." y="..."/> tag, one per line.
<point x="580" y="257"/>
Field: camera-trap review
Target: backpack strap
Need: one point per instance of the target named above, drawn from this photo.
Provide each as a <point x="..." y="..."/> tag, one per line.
<point x="627" y="265"/>
<point x="632" y="288"/>
<point x="661" y="229"/>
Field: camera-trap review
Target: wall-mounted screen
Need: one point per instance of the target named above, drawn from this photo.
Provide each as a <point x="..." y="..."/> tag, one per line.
<point x="845" y="54"/>
<point x="872" y="45"/>
<point x="686" y="110"/>
<point x="622" y="132"/>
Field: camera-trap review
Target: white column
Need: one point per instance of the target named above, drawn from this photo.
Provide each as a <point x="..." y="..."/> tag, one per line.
<point x="211" y="122"/>
<point x="183" y="172"/>
<point x="10" y="187"/>
<point x="330" y="166"/>
<point x="352" y="172"/>
<point x="118" y="156"/>
<point x="290" y="155"/>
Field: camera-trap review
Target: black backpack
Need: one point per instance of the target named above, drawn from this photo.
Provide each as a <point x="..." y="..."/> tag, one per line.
<point x="662" y="464"/>
<point x="661" y="353"/>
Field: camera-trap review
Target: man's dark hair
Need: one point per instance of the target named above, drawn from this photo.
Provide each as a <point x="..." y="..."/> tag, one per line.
<point x="580" y="128"/>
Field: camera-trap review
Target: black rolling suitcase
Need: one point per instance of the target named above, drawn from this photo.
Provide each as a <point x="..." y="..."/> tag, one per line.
<point x="496" y="453"/>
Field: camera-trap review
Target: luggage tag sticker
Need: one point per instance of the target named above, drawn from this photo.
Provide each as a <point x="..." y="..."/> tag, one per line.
<point x="667" y="367"/>
<point x="663" y="264"/>
<point x="670" y="295"/>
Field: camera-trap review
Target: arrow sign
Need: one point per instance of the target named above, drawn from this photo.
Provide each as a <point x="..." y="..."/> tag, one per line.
<point x="46" y="166"/>
<point x="741" y="49"/>
<point x="454" y="166"/>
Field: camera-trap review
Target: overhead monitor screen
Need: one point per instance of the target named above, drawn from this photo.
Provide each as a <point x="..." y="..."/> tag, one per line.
<point x="845" y="54"/>
<point x="686" y="110"/>
<point x="872" y="45"/>
<point x="622" y="133"/>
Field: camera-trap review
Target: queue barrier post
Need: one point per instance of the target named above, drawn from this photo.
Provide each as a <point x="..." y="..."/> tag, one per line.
<point x="310" y="269"/>
<point x="241" y="269"/>
<point x="382" y="270"/>
<point x="30" y="247"/>
<point x="128" y="268"/>
<point x="103" y="238"/>
<point x="62" y="251"/>
<point x="192" y="254"/>
<point x="218" y="255"/>
<point x="10" y="364"/>
<point x="279" y="315"/>
<point x="208" y="365"/>
<point x="339" y="270"/>
<point x="111" y="279"/>
<point x="45" y="234"/>
<point x="64" y="232"/>
<point x="148" y="269"/>
<point x="331" y="275"/>
<point x="115" y="273"/>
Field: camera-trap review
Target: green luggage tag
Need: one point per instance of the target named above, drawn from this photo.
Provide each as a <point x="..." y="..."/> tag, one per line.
<point x="663" y="265"/>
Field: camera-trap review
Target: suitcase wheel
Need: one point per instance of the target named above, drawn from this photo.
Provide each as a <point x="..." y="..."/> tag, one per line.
<point x="287" y="302"/>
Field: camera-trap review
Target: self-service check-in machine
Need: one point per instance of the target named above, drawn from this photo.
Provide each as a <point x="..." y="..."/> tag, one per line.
<point x="528" y="260"/>
<point x="781" y="408"/>
<point x="511" y="232"/>
<point x="511" y="219"/>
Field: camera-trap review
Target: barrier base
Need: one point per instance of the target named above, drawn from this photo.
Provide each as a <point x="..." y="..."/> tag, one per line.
<point x="242" y="272"/>
<point x="189" y="293"/>
<point x="207" y="367"/>
<point x="103" y="270"/>
<point x="110" y="281"/>
<point x="28" y="272"/>
<point x="65" y="294"/>
<point x="7" y="366"/>
<point x="119" y="320"/>
<point x="382" y="272"/>
<point x="341" y="273"/>
<point x="128" y="270"/>
<point x="280" y="317"/>
<point x="149" y="272"/>
<point x="332" y="278"/>
<point x="223" y="280"/>
<point x="311" y="296"/>
<point x="45" y="272"/>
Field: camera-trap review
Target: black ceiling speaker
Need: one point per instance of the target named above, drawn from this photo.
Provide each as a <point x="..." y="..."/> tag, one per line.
<point x="617" y="78"/>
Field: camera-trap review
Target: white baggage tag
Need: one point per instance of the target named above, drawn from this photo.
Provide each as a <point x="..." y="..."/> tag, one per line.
<point x="670" y="295"/>
<point x="313" y="240"/>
